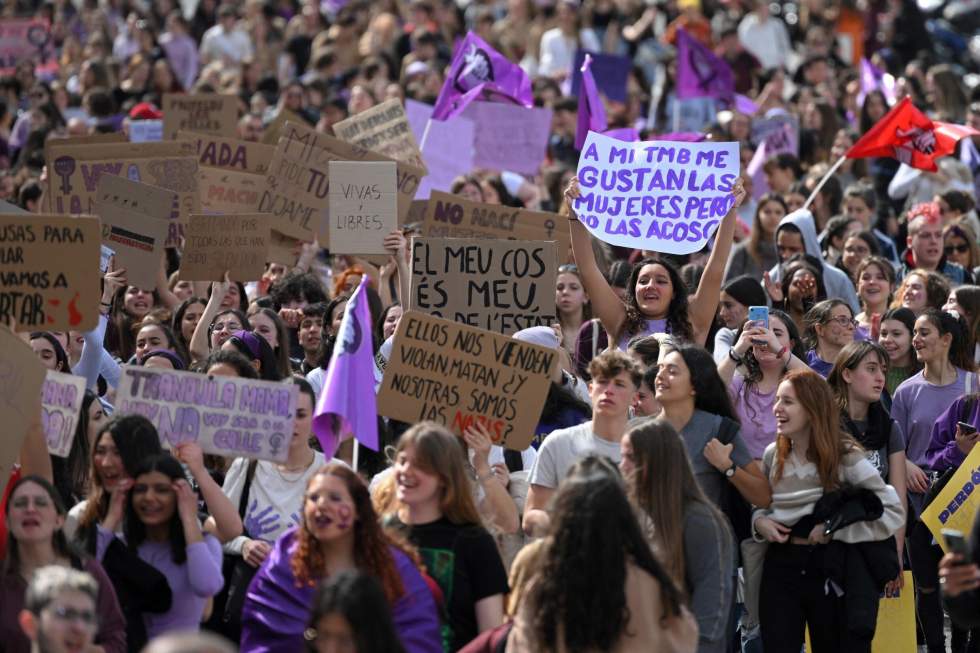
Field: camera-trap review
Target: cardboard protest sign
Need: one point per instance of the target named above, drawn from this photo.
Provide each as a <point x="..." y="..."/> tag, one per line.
<point x="458" y="375"/>
<point x="383" y="129"/>
<point x="26" y="39"/>
<point x="61" y="405"/>
<point x="498" y="285"/>
<point x="448" y="147"/>
<point x="74" y="173"/>
<point x="216" y="243"/>
<point x="611" y="72"/>
<point x="780" y="133"/>
<point x="224" y="191"/>
<point x="208" y="113"/>
<point x="230" y="153"/>
<point x="21" y="376"/>
<point x="273" y="131"/>
<point x="895" y="627"/>
<point x="135" y="222"/>
<point x="665" y="196"/>
<point x="48" y="272"/>
<point x="508" y="136"/>
<point x="956" y="504"/>
<point x="283" y="249"/>
<point x="363" y="206"/>
<point x="146" y="131"/>
<point x="226" y="416"/>
<point x="301" y="162"/>
<point x="450" y="216"/>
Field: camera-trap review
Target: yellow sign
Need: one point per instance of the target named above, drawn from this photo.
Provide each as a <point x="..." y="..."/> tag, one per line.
<point x="956" y="505"/>
<point x="895" y="630"/>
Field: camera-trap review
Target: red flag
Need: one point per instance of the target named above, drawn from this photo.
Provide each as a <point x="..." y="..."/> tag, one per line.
<point x="906" y="134"/>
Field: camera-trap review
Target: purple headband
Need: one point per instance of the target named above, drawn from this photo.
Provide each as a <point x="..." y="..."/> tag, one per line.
<point x="251" y="341"/>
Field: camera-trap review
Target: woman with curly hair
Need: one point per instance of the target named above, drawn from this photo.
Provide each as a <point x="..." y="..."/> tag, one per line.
<point x="921" y="290"/>
<point x="656" y="297"/>
<point x="339" y="531"/>
<point x="598" y="586"/>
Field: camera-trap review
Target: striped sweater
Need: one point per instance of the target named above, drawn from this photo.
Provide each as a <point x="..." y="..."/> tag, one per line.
<point x="797" y="492"/>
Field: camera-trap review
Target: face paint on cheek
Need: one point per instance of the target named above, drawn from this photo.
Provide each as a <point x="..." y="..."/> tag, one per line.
<point x="344" y="514"/>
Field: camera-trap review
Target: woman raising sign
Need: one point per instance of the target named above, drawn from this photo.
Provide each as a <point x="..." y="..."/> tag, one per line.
<point x="656" y="297"/>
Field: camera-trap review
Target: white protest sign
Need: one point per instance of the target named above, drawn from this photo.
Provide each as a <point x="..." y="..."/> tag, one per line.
<point x="363" y="205"/>
<point x="665" y="196"/>
<point x="61" y="404"/>
<point x="226" y="416"/>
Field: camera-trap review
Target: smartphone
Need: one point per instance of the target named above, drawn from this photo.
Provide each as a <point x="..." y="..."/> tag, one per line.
<point x="967" y="429"/>
<point x="956" y="543"/>
<point x="875" y="326"/>
<point x="759" y="316"/>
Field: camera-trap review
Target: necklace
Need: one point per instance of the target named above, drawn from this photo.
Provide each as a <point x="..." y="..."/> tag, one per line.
<point x="301" y="470"/>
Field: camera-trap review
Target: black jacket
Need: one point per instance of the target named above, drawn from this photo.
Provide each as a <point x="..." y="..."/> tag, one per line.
<point x="860" y="570"/>
<point x="964" y="609"/>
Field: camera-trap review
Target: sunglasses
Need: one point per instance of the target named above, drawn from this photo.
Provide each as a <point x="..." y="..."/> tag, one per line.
<point x="961" y="249"/>
<point x="567" y="267"/>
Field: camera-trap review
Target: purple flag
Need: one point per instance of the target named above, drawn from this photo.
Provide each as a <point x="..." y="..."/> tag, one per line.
<point x="591" y="113"/>
<point x="348" y="390"/>
<point x="875" y="79"/>
<point x="477" y="69"/>
<point x="700" y="72"/>
<point x="745" y="105"/>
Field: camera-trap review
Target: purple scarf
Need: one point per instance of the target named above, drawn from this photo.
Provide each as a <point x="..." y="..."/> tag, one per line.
<point x="277" y="612"/>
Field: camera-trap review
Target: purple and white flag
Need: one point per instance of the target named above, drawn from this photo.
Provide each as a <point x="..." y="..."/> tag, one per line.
<point x="348" y="390"/>
<point x="478" y="69"/>
<point x="700" y="72"/>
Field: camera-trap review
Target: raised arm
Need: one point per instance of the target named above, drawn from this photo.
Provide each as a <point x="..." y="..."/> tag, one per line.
<point x="169" y="299"/>
<point x="705" y="302"/>
<point x="605" y="304"/>
<point x="224" y="522"/>
<point x="200" y="347"/>
<point x="397" y="246"/>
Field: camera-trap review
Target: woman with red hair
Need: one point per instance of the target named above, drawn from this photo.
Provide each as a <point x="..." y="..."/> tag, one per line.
<point x="816" y="473"/>
<point x="339" y="530"/>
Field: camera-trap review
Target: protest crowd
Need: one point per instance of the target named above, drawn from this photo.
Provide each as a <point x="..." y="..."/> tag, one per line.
<point x="426" y="326"/>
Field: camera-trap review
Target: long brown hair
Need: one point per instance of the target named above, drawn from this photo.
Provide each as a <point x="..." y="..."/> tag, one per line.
<point x="440" y="453"/>
<point x="664" y="487"/>
<point x="828" y="443"/>
<point x="757" y="235"/>
<point x="371" y="544"/>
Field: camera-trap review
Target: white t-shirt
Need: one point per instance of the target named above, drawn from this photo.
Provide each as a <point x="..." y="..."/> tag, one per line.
<point x="275" y="499"/>
<point x="563" y="448"/>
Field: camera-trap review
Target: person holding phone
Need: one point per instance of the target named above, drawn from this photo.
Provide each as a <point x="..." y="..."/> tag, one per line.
<point x="959" y="578"/>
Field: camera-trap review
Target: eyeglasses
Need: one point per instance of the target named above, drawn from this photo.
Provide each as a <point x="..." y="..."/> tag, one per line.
<point x="226" y="326"/>
<point x="86" y="618"/>
<point x="843" y="321"/>
<point x="961" y="249"/>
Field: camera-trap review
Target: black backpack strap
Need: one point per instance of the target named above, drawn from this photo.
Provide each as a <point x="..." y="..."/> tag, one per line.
<point x="246" y="488"/>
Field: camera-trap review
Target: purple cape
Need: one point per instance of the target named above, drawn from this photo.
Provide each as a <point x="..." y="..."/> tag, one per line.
<point x="276" y="612"/>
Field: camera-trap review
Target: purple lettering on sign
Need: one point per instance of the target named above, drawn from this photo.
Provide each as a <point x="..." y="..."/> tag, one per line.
<point x="665" y="196"/>
<point x="225" y="416"/>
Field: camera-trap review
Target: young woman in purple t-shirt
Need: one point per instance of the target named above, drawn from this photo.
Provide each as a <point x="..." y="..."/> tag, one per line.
<point x="941" y="346"/>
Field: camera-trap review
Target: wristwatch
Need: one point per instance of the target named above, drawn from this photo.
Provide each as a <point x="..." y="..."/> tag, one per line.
<point x="730" y="472"/>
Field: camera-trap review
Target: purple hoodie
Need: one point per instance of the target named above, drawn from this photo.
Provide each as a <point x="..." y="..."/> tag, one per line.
<point x="943" y="452"/>
<point x="276" y="612"/>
